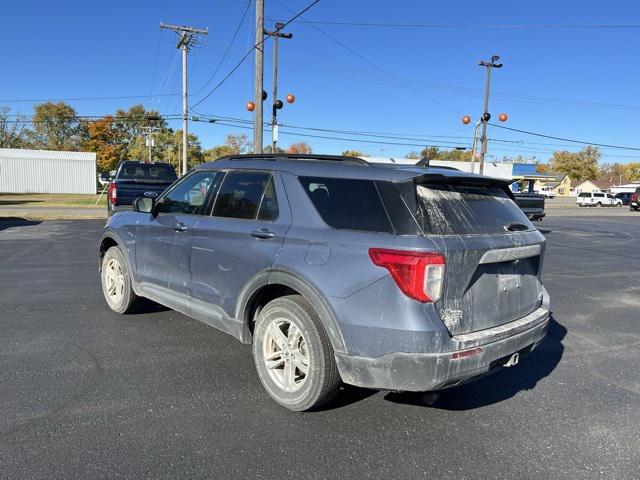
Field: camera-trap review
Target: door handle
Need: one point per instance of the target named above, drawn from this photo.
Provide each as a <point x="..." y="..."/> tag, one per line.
<point x="262" y="233"/>
<point x="181" y="227"/>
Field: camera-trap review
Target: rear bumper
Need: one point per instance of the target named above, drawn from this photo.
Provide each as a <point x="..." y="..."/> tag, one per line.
<point x="419" y="372"/>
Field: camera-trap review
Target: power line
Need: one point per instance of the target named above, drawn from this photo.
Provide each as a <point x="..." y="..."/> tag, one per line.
<point x="477" y="26"/>
<point x="246" y="55"/>
<point x="76" y="99"/>
<point x="224" y="56"/>
<point x="622" y="147"/>
<point x="373" y="64"/>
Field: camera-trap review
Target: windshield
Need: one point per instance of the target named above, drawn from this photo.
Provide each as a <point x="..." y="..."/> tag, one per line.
<point x="148" y="172"/>
<point x="467" y="209"/>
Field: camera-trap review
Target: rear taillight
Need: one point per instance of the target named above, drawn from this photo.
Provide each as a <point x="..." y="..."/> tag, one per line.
<point x="419" y="275"/>
<point x="634" y="197"/>
<point x="113" y="193"/>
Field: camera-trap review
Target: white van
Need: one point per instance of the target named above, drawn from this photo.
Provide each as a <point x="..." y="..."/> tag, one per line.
<point x="598" y="199"/>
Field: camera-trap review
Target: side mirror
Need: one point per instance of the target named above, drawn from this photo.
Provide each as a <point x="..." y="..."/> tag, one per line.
<point x="143" y="205"/>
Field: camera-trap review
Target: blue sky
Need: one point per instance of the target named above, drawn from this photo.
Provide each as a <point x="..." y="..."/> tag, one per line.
<point x="568" y="82"/>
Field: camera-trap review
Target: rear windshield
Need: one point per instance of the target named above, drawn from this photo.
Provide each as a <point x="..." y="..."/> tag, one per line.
<point x="467" y="209"/>
<point x="147" y="172"/>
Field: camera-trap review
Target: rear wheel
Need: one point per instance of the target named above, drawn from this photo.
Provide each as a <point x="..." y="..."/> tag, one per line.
<point x="116" y="283"/>
<point x="599" y="204"/>
<point x="293" y="354"/>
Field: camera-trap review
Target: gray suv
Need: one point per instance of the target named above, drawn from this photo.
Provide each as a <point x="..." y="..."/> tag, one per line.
<point x="337" y="270"/>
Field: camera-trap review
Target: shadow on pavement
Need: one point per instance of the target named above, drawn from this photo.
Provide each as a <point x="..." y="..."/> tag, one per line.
<point x="18" y="202"/>
<point x="9" y="222"/>
<point x="499" y="386"/>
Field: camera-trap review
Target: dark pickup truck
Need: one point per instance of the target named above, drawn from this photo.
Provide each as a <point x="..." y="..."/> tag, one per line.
<point x="531" y="204"/>
<point x="137" y="179"/>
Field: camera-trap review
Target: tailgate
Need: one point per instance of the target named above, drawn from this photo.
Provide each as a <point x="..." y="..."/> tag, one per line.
<point x="490" y="281"/>
<point x="493" y="253"/>
<point x="128" y="191"/>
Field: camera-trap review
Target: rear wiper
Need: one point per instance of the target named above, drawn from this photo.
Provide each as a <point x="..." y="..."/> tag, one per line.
<point x="515" y="227"/>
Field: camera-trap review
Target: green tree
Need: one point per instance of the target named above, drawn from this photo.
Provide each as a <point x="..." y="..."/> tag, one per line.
<point x="354" y="153"/>
<point x="234" y="144"/>
<point x="131" y="123"/>
<point x="56" y="127"/>
<point x="582" y="165"/>
<point x="455" y="155"/>
<point x="269" y="149"/>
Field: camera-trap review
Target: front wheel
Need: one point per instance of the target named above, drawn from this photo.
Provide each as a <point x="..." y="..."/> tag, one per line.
<point x="293" y="354"/>
<point x="599" y="204"/>
<point x="116" y="282"/>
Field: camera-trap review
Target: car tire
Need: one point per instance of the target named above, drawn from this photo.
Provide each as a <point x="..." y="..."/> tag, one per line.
<point x="599" y="204"/>
<point x="289" y="338"/>
<point x="116" y="283"/>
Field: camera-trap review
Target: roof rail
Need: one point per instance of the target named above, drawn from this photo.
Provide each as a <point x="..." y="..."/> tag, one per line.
<point x="300" y="157"/>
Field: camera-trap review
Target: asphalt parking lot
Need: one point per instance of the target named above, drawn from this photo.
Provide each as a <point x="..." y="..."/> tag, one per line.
<point x="87" y="393"/>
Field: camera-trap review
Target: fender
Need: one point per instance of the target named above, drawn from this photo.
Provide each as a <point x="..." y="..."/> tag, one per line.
<point x="295" y="282"/>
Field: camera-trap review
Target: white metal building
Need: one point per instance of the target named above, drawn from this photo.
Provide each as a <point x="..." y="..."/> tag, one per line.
<point x="46" y="171"/>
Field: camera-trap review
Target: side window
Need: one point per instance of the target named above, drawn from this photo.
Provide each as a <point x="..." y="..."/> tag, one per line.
<point x="188" y="196"/>
<point x="347" y="203"/>
<point x="269" y="205"/>
<point x="240" y="195"/>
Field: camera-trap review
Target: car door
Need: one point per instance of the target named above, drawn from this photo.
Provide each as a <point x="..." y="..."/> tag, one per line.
<point x="241" y="238"/>
<point x="163" y="240"/>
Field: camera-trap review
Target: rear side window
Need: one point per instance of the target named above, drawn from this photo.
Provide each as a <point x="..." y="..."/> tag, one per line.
<point x="242" y="194"/>
<point x="599" y="195"/>
<point x="584" y="194"/>
<point x="347" y="204"/>
<point x="466" y="209"/>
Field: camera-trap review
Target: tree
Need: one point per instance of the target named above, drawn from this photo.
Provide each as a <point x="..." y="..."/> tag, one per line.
<point x="131" y="123"/>
<point x="12" y="130"/>
<point x="106" y="140"/>
<point x="412" y="156"/>
<point x="269" y="149"/>
<point x="354" y="153"/>
<point x="455" y="155"/>
<point x="582" y="165"/>
<point x="56" y="127"/>
<point x="234" y="144"/>
<point x="301" y="147"/>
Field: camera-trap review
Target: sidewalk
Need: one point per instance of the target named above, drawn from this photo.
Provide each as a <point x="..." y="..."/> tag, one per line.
<point x="52" y="213"/>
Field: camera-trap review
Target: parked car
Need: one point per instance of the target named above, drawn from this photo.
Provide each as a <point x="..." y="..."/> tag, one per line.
<point x="625" y="197"/>
<point x="335" y="270"/>
<point x="597" y="199"/>
<point x="547" y="192"/>
<point x="137" y="179"/>
<point x="635" y="200"/>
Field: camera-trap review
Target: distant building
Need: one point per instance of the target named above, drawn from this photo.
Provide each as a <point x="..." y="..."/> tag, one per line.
<point x="560" y="184"/>
<point x="47" y="171"/>
<point x="590" y="186"/>
<point x="491" y="169"/>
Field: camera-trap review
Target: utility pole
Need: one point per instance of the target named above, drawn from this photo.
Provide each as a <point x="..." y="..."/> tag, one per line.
<point x="277" y="104"/>
<point x="258" y="78"/>
<point x="186" y="38"/>
<point x="150" y="140"/>
<point x="486" y="116"/>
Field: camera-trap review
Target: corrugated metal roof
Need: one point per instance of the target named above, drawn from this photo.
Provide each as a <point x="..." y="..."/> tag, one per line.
<point x="46" y="154"/>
